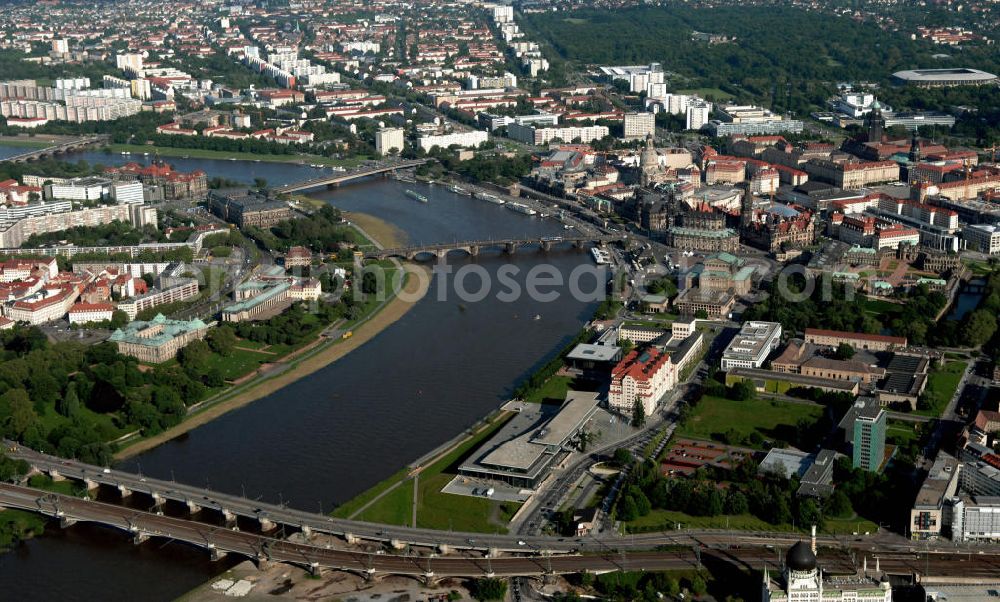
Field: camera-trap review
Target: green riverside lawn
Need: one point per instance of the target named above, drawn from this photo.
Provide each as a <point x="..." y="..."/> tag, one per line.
<point x="941" y="386"/>
<point x="774" y="420"/>
<point x="435" y="510"/>
<point x="198" y="153"/>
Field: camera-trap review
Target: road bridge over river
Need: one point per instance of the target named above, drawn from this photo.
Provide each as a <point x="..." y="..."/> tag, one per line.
<point x="338" y="178"/>
<point x="57" y="149"/>
<point x="446" y="553"/>
<point x="472" y="247"/>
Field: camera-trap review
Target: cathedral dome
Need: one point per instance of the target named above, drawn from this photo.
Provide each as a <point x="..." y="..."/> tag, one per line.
<point x="800" y="558"/>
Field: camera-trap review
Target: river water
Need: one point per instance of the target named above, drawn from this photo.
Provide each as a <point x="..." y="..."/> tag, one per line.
<point x="327" y="437"/>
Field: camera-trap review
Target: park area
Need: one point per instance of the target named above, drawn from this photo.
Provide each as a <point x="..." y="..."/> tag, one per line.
<point x="735" y="422"/>
<point x="941" y="386"/>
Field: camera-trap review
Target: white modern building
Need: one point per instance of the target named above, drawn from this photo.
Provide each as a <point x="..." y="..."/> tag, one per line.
<point x="750" y="348"/>
<point x="127" y="192"/>
<point x="389" y="139"/>
<point x="470" y="139"/>
<point x="80" y="189"/>
<point x="639" y="125"/>
<point x="539" y="136"/>
<point x="698" y="114"/>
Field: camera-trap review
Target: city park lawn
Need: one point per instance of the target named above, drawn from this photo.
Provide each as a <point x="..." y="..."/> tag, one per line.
<point x="435" y="510"/>
<point x="239" y="362"/>
<point x="666" y="520"/>
<point x="941" y="385"/>
<point x="197" y="153"/>
<point x="774" y="420"/>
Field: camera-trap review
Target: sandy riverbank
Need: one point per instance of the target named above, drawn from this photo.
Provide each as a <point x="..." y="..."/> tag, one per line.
<point x="416" y="286"/>
<point x="388" y="235"/>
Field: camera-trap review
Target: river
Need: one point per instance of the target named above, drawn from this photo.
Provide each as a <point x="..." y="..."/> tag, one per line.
<point x="325" y="438"/>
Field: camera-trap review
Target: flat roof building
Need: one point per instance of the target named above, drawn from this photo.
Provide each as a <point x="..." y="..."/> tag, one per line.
<point x="750" y="348"/>
<point x="521" y="453"/>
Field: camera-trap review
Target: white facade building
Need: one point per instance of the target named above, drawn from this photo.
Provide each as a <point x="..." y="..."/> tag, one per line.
<point x="750" y="348"/>
<point x="388" y="139"/>
<point x="80" y="189"/>
<point x="84" y="313"/>
<point x="127" y="192"/>
<point x="471" y="139"/>
<point x="639" y="125"/>
<point x="697" y="115"/>
<point x="539" y="136"/>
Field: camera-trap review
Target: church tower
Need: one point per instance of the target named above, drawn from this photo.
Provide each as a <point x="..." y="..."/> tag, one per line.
<point x="876" y="123"/>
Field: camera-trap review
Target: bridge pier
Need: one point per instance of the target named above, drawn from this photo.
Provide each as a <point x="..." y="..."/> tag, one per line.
<point x="124" y="491"/>
<point x="55" y="476"/>
<point x="397" y="544"/>
<point x="314" y="569"/>
<point x="65" y="522"/>
<point x="192" y="507"/>
<point x="262" y="564"/>
<point x="306" y="531"/>
<point x="546" y="246"/>
<point x="229" y="517"/>
<point x="139" y="537"/>
<point x="90" y="485"/>
<point x="215" y="554"/>
<point x="474" y="250"/>
<point x="509" y="248"/>
<point x="265" y="523"/>
<point x="444" y="548"/>
<point x="352" y="539"/>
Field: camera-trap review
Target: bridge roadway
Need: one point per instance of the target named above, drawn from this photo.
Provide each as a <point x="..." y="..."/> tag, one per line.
<point x="472" y="247"/>
<point x="347" y="176"/>
<point x="55" y="149"/>
<point x="231" y="506"/>
<point x="263" y="549"/>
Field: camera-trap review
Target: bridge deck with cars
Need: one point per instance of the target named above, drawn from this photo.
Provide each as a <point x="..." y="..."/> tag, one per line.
<point x="431" y="554"/>
<point x="63" y="147"/>
<point x="336" y="179"/>
<point x="472" y="247"/>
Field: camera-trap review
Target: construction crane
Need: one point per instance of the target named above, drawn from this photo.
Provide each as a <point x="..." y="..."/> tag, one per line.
<point x="992" y="150"/>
